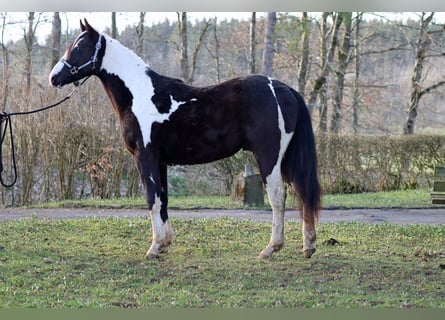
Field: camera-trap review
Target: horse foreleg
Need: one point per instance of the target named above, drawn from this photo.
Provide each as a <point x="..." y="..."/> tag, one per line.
<point x="154" y="178"/>
<point x="277" y="194"/>
<point x="162" y="230"/>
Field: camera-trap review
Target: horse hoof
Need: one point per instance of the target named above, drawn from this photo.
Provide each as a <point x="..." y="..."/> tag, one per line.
<point x="266" y="253"/>
<point x="308" y="253"/>
<point x="151" y="256"/>
<point x="152" y="253"/>
<point x="264" y="256"/>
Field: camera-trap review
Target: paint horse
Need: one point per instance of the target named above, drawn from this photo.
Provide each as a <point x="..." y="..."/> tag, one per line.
<point x="167" y="122"/>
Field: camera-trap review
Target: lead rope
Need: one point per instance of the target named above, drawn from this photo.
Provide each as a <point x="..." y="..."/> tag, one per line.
<point x="6" y="118"/>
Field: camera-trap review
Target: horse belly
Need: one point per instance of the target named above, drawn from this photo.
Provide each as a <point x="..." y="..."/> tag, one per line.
<point x="197" y="149"/>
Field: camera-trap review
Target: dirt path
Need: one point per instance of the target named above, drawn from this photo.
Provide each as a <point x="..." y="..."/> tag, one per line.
<point x="398" y="216"/>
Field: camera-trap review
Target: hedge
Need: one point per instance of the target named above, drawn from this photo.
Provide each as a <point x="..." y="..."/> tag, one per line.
<point x="359" y="163"/>
<point x="85" y="167"/>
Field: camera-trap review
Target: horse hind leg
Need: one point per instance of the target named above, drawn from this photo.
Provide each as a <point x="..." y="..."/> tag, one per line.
<point x="309" y="235"/>
<point x="276" y="193"/>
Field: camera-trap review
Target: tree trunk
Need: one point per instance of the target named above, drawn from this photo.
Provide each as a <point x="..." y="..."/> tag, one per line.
<point x="5" y="71"/>
<point x="327" y="59"/>
<point x="422" y="43"/>
<point x="356" y="93"/>
<point x="302" y="74"/>
<point x="217" y="47"/>
<point x="56" y="35"/>
<point x="29" y="41"/>
<point x="113" y="25"/>
<point x="191" y="77"/>
<point x="269" y="44"/>
<point x="322" y="97"/>
<point x="319" y="89"/>
<point x="343" y="57"/>
<point x="252" y="62"/>
<point x="182" y="17"/>
<point x="140" y="34"/>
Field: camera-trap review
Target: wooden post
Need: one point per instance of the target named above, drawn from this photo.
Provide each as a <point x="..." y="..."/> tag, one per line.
<point x="247" y="188"/>
<point x="438" y="193"/>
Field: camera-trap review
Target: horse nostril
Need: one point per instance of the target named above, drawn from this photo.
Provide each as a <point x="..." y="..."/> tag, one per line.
<point x="53" y="81"/>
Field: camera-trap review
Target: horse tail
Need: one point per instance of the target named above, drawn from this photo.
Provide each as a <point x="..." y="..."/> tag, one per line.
<point x="299" y="165"/>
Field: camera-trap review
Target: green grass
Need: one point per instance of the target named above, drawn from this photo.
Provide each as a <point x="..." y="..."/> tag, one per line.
<point x="391" y="199"/>
<point x="418" y="198"/>
<point x="212" y="263"/>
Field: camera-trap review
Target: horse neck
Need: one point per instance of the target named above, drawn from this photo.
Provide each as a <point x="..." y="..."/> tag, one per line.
<point x="123" y="63"/>
<point x="118" y="57"/>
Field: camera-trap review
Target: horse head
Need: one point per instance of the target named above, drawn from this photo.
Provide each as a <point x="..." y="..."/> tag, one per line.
<point x="82" y="57"/>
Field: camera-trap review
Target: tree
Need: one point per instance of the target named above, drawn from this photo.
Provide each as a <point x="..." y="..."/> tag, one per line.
<point x="343" y="60"/>
<point x="113" y="25"/>
<point x="303" y="65"/>
<point x="140" y="34"/>
<point x="356" y="90"/>
<point x="269" y="43"/>
<point x="423" y="42"/>
<point x="186" y="73"/>
<point x="326" y="57"/>
<point x="56" y="35"/>
<point x="29" y="42"/>
<point x="5" y="71"/>
<point x="217" y="54"/>
<point x="198" y="45"/>
<point x="182" y="19"/>
<point x="252" y="62"/>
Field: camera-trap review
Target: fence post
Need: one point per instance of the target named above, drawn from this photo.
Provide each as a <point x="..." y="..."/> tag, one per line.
<point x="247" y="188"/>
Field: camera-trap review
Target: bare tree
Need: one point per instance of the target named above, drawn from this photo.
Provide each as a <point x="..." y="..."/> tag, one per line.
<point x="252" y="62"/>
<point x="5" y="71"/>
<point x="56" y="35"/>
<point x="29" y="42"/>
<point x="188" y="73"/>
<point x="191" y="77"/>
<point x="182" y="19"/>
<point x="140" y="34"/>
<point x="269" y="43"/>
<point x="303" y="65"/>
<point x="356" y="90"/>
<point x="343" y="61"/>
<point x="113" y="25"/>
<point x="423" y="43"/>
<point x="319" y="87"/>
<point x="327" y="57"/>
<point x="217" y="54"/>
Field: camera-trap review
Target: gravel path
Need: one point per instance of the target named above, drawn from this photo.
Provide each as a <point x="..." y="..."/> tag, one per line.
<point x="397" y="216"/>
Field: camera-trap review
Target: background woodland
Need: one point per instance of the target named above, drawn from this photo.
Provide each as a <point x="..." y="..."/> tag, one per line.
<point x="374" y="87"/>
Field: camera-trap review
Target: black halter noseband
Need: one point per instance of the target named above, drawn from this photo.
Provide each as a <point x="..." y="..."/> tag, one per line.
<point x="74" y="69"/>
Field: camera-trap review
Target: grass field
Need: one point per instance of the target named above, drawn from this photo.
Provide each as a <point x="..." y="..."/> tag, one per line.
<point x="392" y="199"/>
<point x="212" y="263"/>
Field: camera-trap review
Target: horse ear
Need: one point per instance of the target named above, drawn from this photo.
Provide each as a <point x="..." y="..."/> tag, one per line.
<point x="88" y="27"/>
<point x="82" y="26"/>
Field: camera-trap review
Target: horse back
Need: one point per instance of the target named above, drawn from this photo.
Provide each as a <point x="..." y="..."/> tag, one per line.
<point x="215" y="121"/>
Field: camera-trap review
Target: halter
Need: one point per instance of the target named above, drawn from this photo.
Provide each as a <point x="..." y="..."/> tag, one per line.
<point x="75" y="70"/>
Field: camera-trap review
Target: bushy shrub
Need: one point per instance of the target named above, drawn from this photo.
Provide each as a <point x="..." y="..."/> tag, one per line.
<point x="356" y="163"/>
